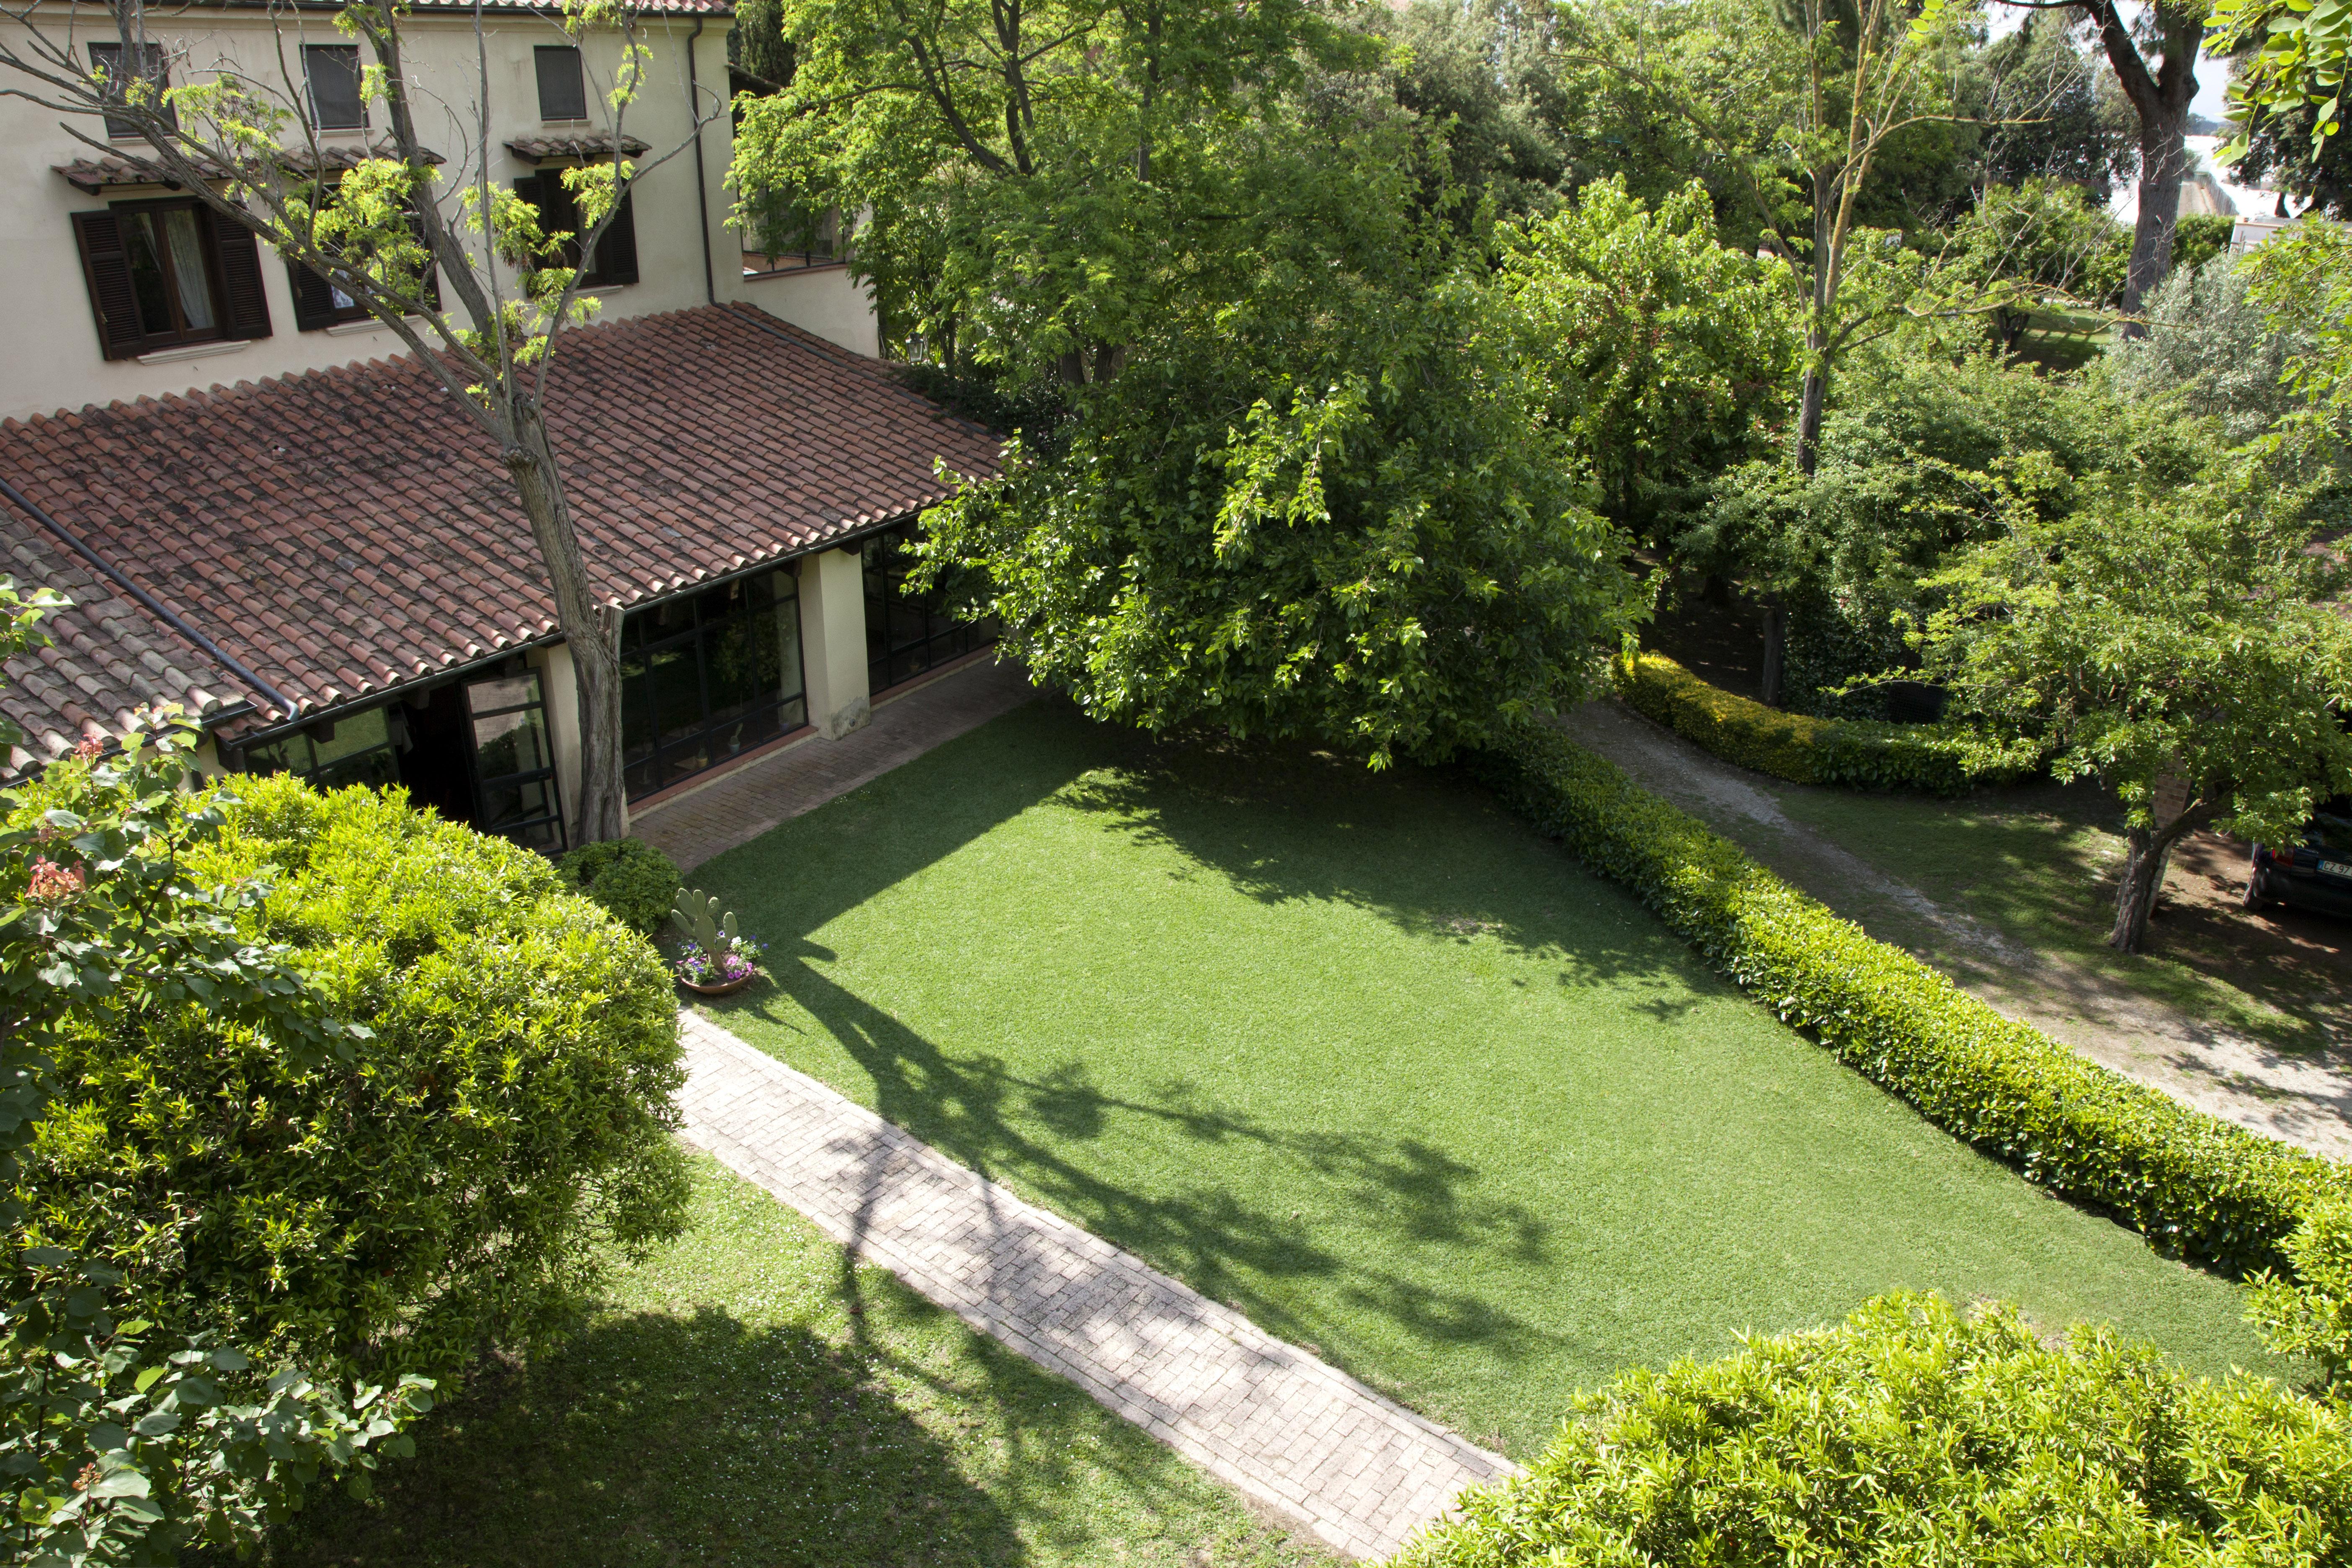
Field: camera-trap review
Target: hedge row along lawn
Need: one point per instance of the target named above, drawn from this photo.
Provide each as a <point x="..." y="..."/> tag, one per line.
<point x="2186" y="1179"/>
<point x="1804" y="750"/>
<point x="746" y="1400"/>
<point x="1369" y="1058"/>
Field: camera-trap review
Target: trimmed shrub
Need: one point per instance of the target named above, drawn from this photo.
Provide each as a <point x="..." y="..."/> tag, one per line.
<point x="437" y="1186"/>
<point x="633" y="880"/>
<point x="2189" y="1181"/>
<point x="1935" y="759"/>
<point x="2310" y="1313"/>
<point x="1912" y="1434"/>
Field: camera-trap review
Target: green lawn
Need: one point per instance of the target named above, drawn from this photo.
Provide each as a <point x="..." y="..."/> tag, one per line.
<point x="1363" y="1057"/>
<point x="2037" y="864"/>
<point x="744" y="1401"/>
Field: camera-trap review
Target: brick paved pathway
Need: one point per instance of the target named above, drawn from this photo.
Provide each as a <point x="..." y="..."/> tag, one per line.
<point x="745" y="804"/>
<point x="1261" y="1416"/>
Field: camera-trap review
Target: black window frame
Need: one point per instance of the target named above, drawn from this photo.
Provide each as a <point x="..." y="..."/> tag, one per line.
<point x="518" y="829"/>
<point x="296" y="751"/>
<point x="812" y="237"/>
<point x="891" y="659"/>
<point x="311" y="54"/>
<point x="557" y="54"/>
<point x="103" y="53"/>
<point x="656" y="761"/>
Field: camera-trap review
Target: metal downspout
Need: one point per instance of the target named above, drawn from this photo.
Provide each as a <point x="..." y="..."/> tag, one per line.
<point x="702" y="180"/>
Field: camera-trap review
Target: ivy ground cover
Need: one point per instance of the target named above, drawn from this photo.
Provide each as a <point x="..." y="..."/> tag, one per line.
<point x="1364" y="1057"/>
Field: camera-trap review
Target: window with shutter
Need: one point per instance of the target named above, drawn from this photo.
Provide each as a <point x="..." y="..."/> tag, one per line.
<point x="319" y="303"/>
<point x="616" y="261"/>
<point x="169" y="273"/>
<point x="563" y="89"/>
<point x="105" y="267"/>
<point x="106" y="61"/>
<point x="245" y="307"/>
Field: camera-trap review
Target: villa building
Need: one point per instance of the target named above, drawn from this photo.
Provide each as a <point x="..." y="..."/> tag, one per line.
<point x="266" y="511"/>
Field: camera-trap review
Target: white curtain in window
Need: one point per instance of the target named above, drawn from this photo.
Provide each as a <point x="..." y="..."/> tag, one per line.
<point x="188" y="268"/>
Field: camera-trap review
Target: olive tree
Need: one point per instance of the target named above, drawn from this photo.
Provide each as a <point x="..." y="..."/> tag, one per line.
<point x="383" y="230"/>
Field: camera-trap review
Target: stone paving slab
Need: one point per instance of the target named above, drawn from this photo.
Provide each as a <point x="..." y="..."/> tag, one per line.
<point x="1301" y="1437"/>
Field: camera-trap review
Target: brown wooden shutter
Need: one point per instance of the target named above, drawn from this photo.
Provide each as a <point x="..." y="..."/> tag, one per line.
<point x="616" y="252"/>
<point x="105" y="267"/>
<point x="528" y="189"/>
<point x="245" y="307"/>
<point x="314" y="302"/>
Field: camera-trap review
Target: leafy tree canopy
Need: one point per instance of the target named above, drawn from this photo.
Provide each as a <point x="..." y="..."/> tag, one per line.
<point x="2171" y="633"/>
<point x="1668" y="355"/>
<point x="1343" y="513"/>
<point x="1041" y="182"/>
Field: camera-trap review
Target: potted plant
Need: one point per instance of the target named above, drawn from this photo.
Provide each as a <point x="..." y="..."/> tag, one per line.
<point x="714" y="959"/>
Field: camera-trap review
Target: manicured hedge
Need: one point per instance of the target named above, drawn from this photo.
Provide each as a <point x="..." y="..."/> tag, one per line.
<point x="2189" y="1180"/>
<point x="455" y="1182"/>
<point x="1933" y="759"/>
<point x="1913" y="1435"/>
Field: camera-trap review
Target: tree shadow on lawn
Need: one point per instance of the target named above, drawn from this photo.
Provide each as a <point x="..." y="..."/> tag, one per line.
<point x="653" y="1438"/>
<point x="1281" y="821"/>
<point x="974" y="1110"/>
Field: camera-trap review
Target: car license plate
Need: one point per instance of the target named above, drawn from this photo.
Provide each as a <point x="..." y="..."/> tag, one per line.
<point x="2336" y="869"/>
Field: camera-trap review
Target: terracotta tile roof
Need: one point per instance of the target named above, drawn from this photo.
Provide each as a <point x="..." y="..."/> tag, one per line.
<point x="347" y="530"/>
<point x="596" y="146"/>
<point x="96" y="174"/>
<point x="107" y="657"/>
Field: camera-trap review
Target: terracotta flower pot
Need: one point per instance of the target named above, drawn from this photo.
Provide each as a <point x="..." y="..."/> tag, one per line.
<point x="724" y="988"/>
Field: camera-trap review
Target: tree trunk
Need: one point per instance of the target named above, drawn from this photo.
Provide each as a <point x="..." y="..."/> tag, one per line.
<point x="2147" y="852"/>
<point x="2163" y="161"/>
<point x="2160" y="99"/>
<point x="1776" y="649"/>
<point x="1812" y="397"/>
<point x="592" y="631"/>
<point x="2144" y="864"/>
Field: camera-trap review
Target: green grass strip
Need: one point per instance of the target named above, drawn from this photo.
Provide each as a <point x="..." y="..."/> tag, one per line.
<point x="2189" y="1181"/>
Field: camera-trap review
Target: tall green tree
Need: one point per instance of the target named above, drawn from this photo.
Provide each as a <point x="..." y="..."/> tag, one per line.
<point x="1334" y="509"/>
<point x="2153" y="53"/>
<point x="1668" y="354"/>
<point x="2172" y="634"/>
<point x="1040" y="181"/>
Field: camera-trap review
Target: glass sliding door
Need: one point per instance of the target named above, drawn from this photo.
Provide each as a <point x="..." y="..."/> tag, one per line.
<point x="515" y="792"/>
<point x="708" y="676"/>
<point x="907" y="632"/>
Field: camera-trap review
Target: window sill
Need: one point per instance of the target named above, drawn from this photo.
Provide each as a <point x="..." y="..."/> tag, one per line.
<point x="751" y="277"/>
<point x="365" y="324"/>
<point x="196" y="351"/>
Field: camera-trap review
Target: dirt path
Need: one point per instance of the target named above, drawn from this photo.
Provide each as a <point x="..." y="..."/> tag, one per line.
<point x="2301" y="1099"/>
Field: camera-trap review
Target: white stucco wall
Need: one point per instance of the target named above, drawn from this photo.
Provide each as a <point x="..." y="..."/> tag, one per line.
<point x="53" y="359"/>
<point x="833" y="640"/>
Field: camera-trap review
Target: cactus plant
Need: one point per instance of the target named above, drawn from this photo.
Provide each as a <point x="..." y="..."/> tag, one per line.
<point x="699" y="920"/>
<point x="714" y="953"/>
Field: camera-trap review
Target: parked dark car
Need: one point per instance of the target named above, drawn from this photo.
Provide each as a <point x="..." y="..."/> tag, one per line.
<point x="2316" y="874"/>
